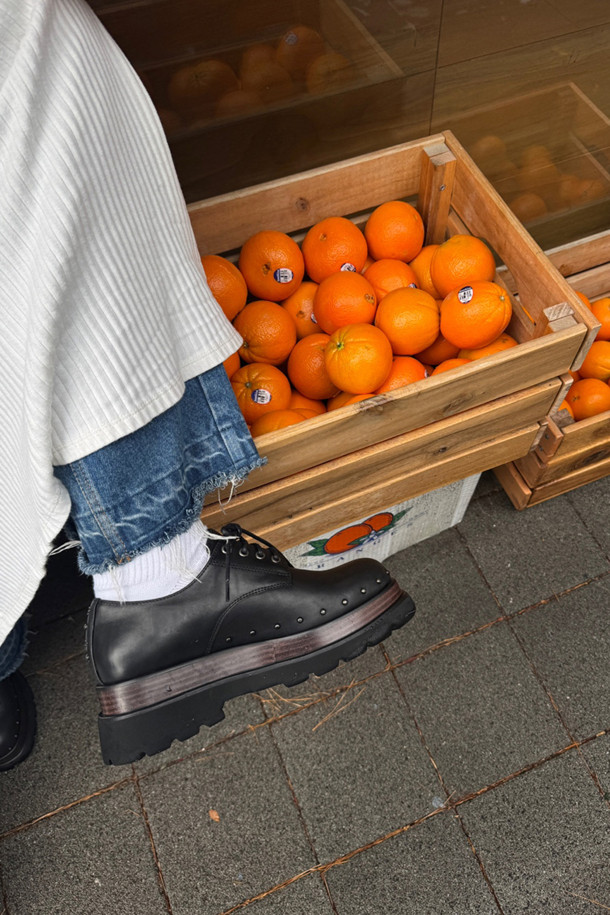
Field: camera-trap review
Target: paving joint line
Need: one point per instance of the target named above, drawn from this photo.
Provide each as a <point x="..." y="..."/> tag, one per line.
<point x="157" y="863"/>
<point x="448" y="793"/>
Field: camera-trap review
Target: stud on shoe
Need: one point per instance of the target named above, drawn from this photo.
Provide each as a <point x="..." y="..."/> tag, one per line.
<point x="165" y="667"/>
<point x="17" y="721"/>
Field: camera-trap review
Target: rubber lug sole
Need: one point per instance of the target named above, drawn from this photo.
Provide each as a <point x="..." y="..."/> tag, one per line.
<point x="125" y="738"/>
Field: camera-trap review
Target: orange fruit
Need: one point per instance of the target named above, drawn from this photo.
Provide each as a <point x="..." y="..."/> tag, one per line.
<point x="475" y="315"/>
<point x="344" y="399"/>
<point x="528" y="206"/>
<point x="274" y="420"/>
<point x="237" y="102"/>
<point x="268" y="79"/>
<point x="449" y="364"/>
<point x="333" y="244"/>
<point x="388" y="274"/>
<point x="421" y="268"/>
<point x="564" y="405"/>
<point x="299" y="306"/>
<point x="254" y="56"/>
<point x="272" y="265"/>
<point x="299" y="402"/>
<point x="260" y="388"/>
<point x="344" y="298"/>
<point x="307" y="368"/>
<point x="268" y="332"/>
<point x="226" y="282"/>
<point x="601" y="310"/>
<point x="394" y="229"/>
<point x="596" y="363"/>
<point x="358" y="358"/>
<point x="504" y="341"/>
<point x="405" y="370"/>
<point x="460" y="260"/>
<point x="231" y="364"/>
<point x="410" y="320"/>
<point x="583" y="298"/>
<point x="575" y="375"/>
<point x="195" y="88"/>
<point x="440" y="350"/>
<point x="297" y="48"/>
<point x="328" y="72"/>
<point x="588" y="397"/>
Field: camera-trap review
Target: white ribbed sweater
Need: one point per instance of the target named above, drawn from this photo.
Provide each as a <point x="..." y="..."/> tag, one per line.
<point x="104" y="307"/>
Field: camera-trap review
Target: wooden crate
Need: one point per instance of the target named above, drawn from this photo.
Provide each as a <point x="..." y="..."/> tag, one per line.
<point x="568" y="454"/>
<point x="392" y="447"/>
<point x="214" y="155"/>
<point x="578" y="140"/>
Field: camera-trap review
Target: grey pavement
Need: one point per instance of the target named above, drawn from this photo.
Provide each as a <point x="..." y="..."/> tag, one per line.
<point x="463" y="766"/>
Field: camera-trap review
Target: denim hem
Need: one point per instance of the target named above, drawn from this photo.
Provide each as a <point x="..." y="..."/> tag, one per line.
<point x="191" y="515"/>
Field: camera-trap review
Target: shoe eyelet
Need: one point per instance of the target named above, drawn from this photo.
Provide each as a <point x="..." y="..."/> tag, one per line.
<point x="275" y="557"/>
<point x="223" y="549"/>
<point x="260" y="554"/>
<point x="243" y="551"/>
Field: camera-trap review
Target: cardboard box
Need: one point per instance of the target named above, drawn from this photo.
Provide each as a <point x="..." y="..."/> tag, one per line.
<point x="393" y="447"/>
<point x="568" y="454"/>
<point x="384" y="533"/>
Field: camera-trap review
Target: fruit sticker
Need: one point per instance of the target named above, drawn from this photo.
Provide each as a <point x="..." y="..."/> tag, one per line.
<point x="283" y="275"/>
<point x="356" y="534"/>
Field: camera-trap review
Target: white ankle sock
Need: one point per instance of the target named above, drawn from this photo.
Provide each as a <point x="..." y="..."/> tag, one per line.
<point x="158" y="572"/>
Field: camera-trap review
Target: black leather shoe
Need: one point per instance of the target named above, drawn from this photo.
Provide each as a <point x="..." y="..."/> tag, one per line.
<point x="17" y="721"/>
<point x="250" y="621"/>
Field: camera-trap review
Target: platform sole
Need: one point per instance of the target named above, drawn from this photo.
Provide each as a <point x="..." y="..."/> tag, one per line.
<point x="143" y="717"/>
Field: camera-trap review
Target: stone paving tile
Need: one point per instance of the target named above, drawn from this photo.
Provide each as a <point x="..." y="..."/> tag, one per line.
<point x="304" y="897"/>
<point x="449" y="593"/>
<point x="225" y="825"/>
<point x="531" y="555"/>
<point x="54" y="642"/>
<point x="544" y="840"/>
<point x="66" y="763"/>
<point x="487" y="484"/>
<point x="481" y="710"/>
<point x="362" y="772"/>
<point x="568" y="640"/>
<point x="95" y="858"/>
<point x="428" y="870"/>
<point x="597" y="754"/>
<point x="592" y="504"/>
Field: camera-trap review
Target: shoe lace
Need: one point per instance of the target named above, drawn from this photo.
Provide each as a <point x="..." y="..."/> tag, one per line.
<point x="235" y="536"/>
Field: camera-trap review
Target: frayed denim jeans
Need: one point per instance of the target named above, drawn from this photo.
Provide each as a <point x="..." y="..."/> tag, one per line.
<point x="147" y="487"/>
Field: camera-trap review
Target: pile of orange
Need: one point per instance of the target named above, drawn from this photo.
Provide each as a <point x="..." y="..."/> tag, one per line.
<point x="589" y="394"/>
<point x="353" y="312"/>
<point x="264" y="74"/>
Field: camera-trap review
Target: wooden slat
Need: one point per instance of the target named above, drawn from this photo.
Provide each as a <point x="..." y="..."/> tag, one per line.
<point x="581" y="255"/>
<point x="513" y="485"/>
<point x="595" y="283"/>
<point x="417" y="449"/>
<point x="570" y="481"/>
<point x="425" y="402"/>
<point x="538" y="283"/>
<point x="435" y="189"/>
<point x="303" y="524"/>
<point x="296" y="202"/>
